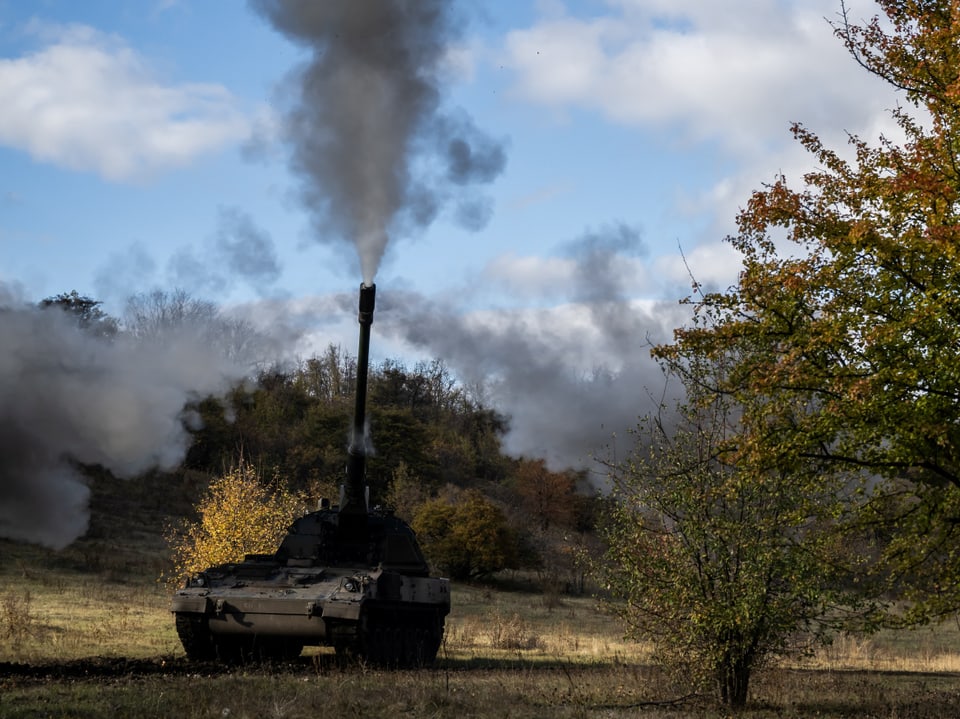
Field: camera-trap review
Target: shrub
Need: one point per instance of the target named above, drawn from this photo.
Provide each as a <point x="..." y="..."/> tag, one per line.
<point x="466" y="536"/>
<point x="239" y="514"/>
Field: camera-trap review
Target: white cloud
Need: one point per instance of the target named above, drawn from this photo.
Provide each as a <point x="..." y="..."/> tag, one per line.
<point x="529" y="276"/>
<point x="735" y="73"/>
<point x="89" y="102"/>
<point x="712" y="266"/>
<point x="722" y="80"/>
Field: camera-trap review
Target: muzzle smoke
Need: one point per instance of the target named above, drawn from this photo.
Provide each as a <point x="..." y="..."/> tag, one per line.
<point x="376" y="156"/>
<point x="573" y="379"/>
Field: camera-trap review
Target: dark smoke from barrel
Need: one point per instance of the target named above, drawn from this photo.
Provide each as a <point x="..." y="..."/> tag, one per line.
<point x="354" y="502"/>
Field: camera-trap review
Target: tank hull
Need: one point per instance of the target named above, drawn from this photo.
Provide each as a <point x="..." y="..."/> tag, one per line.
<point x="281" y="608"/>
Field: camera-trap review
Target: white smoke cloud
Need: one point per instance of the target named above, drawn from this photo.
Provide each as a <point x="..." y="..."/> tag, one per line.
<point x="570" y="377"/>
<point x="67" y="397"/>
<point x="570" y="374"/>
<point x="88" y="102"/>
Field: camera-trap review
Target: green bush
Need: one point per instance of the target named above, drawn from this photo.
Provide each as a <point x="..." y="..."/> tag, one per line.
<point x="466" y="536"/>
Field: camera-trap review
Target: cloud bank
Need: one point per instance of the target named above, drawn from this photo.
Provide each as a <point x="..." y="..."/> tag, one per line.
<point x="86" y="101"/>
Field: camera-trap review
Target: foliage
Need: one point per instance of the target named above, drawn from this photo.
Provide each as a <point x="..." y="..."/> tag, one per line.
<point x="239" y="514"/>
<point x="721" y="563"/>
<point x="87" y="312"/>
<point x="548" y="497"/>
<point x="297" y="419"/>
<point x="407" y="493"/>
<point x="331" y="377"/>
<point x="849" y="300"/>
<point x="466" y="536"/>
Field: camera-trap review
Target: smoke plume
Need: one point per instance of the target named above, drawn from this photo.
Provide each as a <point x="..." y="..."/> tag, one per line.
<point x="68" y="397"/>
<point x="376" y="155"/>
<point x="240" y="250"/>
<point x="571" y="378"/>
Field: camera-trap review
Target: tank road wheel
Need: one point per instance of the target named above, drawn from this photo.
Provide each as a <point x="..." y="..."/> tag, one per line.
<point x="426" y="636"/>
<point x="433" y="639"/>
<point x="412" y="651"/>
<point x="195" y="637"/>
<point x="375" y="640"/>
<point x="374" y="648"/>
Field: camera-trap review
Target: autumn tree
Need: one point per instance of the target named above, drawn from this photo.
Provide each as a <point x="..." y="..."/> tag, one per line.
<point x="722" y="559"/>
<point x="549" y="498"/>
<point x="849" y="298"/>
<point x="406" y="494"/>
<point x="240" y="514"/>
<point x="329" y="377"/>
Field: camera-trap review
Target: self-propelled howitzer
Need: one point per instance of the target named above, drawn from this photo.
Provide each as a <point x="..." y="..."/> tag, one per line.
<point x="346" y="576"/>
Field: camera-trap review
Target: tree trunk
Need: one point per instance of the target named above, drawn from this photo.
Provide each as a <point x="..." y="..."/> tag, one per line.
<point x="734" y="680"/>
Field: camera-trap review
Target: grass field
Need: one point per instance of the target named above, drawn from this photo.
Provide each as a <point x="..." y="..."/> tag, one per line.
<point x="86" y="632"/>
<point x="82" y="643"/>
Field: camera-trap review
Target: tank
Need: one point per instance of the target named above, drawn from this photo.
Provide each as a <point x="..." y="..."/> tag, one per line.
<point x="345" y="576"/>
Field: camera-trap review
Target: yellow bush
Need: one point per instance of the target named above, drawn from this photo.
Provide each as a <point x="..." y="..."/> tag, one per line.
<point x="239" y="514"/>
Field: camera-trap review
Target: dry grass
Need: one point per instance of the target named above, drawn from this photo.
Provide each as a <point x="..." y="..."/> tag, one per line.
<point x="83" y="619"/>
<point x="499" y="625"/>
<point x="54" y="611"/>
<point x="516" y="691"/>
<point x="926" y="649"/>
<point x="506" y="654"/>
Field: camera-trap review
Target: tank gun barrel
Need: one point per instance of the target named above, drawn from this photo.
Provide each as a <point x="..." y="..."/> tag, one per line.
<point x="354" y="494"/>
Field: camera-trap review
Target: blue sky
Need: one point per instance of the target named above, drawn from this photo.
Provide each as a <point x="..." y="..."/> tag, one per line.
<point x="136" y="136"/>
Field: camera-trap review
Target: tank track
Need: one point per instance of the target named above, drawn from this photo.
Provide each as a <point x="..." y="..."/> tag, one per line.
<point x="195" y="637"/>
<point x="401" y="639"/>
<point x="201" y="645"/>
